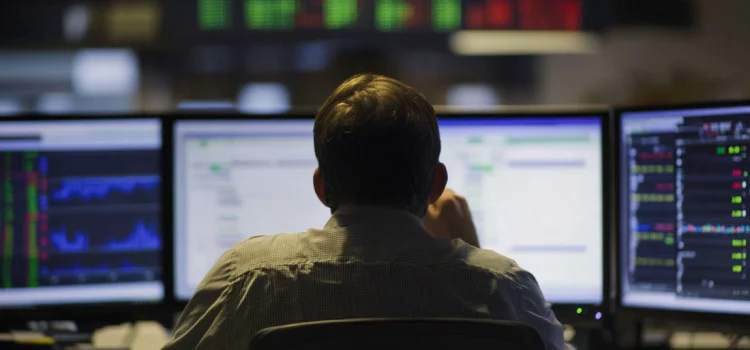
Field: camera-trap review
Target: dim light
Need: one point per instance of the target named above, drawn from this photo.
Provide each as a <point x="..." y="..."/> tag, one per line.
<point x="512" y="42"/>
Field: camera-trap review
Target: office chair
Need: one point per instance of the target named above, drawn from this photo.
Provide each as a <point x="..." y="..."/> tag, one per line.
<point x="391" y="334"/>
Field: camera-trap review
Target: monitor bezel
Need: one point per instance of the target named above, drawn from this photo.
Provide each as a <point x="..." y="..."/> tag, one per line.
<point x="108" y="312"/>
<point x="567" y="312"/>
<point x="717" y="320"/>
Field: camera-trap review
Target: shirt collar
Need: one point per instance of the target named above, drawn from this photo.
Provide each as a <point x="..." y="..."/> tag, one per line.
<point x="358" y="215"/>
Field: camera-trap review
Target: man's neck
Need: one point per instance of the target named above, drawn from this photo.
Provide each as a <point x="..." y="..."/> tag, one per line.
<point x="347" y="209"/>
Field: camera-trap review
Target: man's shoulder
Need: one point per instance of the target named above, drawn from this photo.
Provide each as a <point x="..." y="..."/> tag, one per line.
<point x="492" y="261"/>
<point x="289" y="248"/>
<point x="267" y="250"/>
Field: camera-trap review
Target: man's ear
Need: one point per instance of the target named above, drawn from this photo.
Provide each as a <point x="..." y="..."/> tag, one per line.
<point x="319" y="186"/>
<point x="439" y="181"/>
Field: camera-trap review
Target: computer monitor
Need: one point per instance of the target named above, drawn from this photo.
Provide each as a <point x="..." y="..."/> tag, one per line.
<point x="684" y="229"/>
<point x="235" y="179"/>
<point x="534" y="185"/>
<point x="80" y="212"/>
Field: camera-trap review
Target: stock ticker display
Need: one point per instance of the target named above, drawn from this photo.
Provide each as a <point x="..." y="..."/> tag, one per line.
<point x="686" y="209"/>
<point x="77" y="213"/>
<point x="390" y="15"/>
<point x="711" y="171"/>
<point x="80" y="217"/>
<point x="652" y="158"/>
<point x="193" y="22"/>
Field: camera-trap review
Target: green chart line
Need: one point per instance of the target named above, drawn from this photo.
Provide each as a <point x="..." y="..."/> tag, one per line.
<point x="340" y="13"/>
<point x="8" y="243"/>
<point x="32" y="215"/>
<point x="446" y="14"/>
<point x="270" y="14"/>
<point x="214" y="14"/>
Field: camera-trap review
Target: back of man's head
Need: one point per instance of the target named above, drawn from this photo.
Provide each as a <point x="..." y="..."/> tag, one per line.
<point x="377" y="143"/>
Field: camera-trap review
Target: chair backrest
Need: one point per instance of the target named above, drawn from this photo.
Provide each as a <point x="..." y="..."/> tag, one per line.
<point x="390" y="334"/>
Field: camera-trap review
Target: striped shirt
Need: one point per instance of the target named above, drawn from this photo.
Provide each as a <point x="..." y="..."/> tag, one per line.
<point x="365" y="263"/>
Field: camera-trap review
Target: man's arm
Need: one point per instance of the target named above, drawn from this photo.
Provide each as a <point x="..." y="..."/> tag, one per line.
<point x="204" y="323"/>
<point x="536" y="312"/>
<point x="450" y="218"/>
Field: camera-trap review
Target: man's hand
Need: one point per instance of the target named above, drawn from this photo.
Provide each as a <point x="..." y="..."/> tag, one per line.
<point x="449" y="217"/>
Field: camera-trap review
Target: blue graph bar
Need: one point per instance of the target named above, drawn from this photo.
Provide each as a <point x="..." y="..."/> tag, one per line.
<point x="547" y="163"/>
<point x="43" y="203"/>
<point x="88" y="188"/>
<point x="143" y="238"/>
<point x="43" y="165"/>
<point x="549" y="248"/>
<point x="60" y="241"/>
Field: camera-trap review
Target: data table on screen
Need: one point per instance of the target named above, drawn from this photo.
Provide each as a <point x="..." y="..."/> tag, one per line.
<point x="535" y="191"/>
<point x="81" y="212"/>
<point x="684" y="209"/>
<point x="236" y="180"/>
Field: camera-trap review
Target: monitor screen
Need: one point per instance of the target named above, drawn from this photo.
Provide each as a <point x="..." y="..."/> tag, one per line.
<point x="222" y="194"/>
<point x="80" y="212"/>
<point x="534" y="186"/>
<point x="683" y="194"/>
<point x="505" y="168"/>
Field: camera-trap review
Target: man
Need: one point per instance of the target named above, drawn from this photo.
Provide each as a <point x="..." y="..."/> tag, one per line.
<point x="377" y="145"/>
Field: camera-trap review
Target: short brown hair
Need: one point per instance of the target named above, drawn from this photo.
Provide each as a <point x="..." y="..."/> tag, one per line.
<point x="377" y="143"/>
